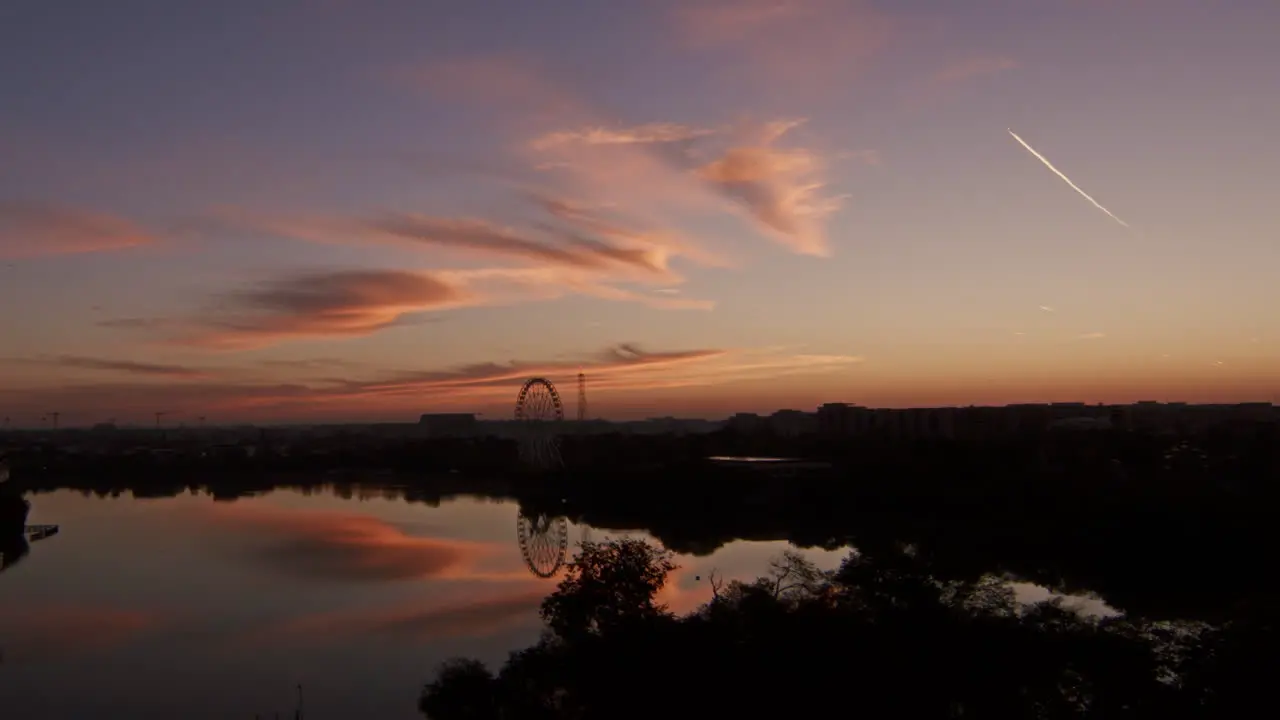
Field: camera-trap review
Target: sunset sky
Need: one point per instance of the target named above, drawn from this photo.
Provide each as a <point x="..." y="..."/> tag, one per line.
<point x="340" y="210"/>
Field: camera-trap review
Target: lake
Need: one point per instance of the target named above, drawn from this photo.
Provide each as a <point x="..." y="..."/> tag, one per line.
<point x="187" y="607"/>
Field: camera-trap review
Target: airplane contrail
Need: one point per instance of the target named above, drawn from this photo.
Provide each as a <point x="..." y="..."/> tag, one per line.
<point x="1058" y="172"/>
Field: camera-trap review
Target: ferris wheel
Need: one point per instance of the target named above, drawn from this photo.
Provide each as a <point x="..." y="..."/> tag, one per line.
<point x="544" y="542"/>
<point x="539" y="410"/>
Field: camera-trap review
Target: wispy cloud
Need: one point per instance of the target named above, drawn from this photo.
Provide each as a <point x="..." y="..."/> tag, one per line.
<point x="572" y="250"/>
<point x="31" y="229"/>
<point x="133" y="323"/>
<point x="867" y="157"/>
<point x="1047" y="308"/>
<point x="661" y="132"/>
<point x="1091" y="336"/>
<point x="658" y="170"/>
<point x="780" y="188"/>
<point x="128" y="367"/>
<point x="786" y="45"/>
<point x="972" y="67"/>
<point x="312" y="364"/>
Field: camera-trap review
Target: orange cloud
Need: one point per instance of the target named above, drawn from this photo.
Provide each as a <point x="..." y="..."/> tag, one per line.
<point x="36" y="229"/>
<point x="972" y="67"/>
<point x="346" y="547"/>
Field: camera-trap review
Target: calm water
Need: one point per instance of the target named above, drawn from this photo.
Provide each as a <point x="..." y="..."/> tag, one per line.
<point x="186" y="607"/>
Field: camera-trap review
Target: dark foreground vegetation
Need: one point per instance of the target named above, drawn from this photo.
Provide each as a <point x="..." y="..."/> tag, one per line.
<point x="876" y="638"/>
<point x="1164" y="527"/>
<point x="13" y="518"/>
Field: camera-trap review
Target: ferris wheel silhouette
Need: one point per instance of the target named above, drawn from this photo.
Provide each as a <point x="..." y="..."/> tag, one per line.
<point x="539" y="413"/>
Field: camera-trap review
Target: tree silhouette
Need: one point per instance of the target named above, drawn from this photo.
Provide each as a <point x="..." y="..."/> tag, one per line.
<point x="607" y="586"/>
<point x="881" y="636"/>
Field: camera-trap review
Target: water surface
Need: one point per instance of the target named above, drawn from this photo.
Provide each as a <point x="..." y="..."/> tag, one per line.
<point x="187" y="607"/>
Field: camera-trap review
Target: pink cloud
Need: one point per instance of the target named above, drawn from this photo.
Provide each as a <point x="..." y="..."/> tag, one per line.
<point x="37" y="229"/>
<point x="659" y="171"/>
<point x="781" y="188"/>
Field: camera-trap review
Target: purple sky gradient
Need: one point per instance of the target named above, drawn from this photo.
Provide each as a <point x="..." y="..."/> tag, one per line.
<point x="209" y="186"/>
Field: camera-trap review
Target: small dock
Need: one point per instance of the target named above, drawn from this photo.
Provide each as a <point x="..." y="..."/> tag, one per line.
<point x="39" y="532"/>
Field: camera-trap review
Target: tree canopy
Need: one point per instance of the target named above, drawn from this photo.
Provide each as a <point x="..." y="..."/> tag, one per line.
<point x="879" y="636"/>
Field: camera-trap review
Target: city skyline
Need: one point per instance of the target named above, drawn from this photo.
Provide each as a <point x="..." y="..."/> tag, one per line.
<point x="327" y="211"/>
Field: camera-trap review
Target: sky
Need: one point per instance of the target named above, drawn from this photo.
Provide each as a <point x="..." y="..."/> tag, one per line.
<point x="328" y="210"/>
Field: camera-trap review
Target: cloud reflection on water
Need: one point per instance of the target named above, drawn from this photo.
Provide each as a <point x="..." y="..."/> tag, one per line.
<point x="350" y="547"/>
<point x="57" y="632"/>
<point x="473" y="618"/>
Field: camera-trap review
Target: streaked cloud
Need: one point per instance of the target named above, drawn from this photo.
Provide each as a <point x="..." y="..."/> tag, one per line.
<point x="623" y="373"/>
<point x="1047" y="308"/>
<point x="597" y="220"/>
<point x="504" y="286"/>
<point x="573" y="250"/>
<point x="347" y="303"/>
<point x="31" y="229"/>
<point x="613" y="362"/>
<point x="128" y="367"/>
<point x="1091" y="336"/>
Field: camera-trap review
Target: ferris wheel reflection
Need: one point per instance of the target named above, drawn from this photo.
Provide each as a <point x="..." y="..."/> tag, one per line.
<point x="544" y="543"/>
